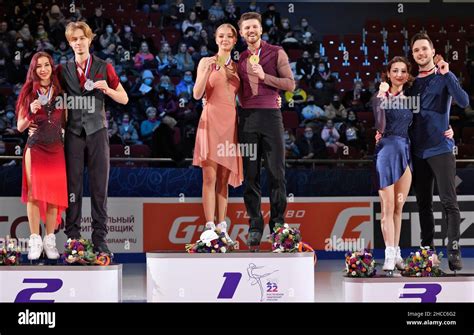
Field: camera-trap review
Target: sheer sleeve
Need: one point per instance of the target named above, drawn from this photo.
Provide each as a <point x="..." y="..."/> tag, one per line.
<point x="379" y="113"/>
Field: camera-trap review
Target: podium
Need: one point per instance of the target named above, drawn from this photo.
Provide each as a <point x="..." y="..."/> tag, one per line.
<point x="61" y="283"/>
<point x="230" y="277"/>
<point x="450" y="288"/>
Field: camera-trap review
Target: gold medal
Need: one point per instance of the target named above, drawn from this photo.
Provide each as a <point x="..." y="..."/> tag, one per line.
<point x="220" y="61"/>
<point x="254" y="59"/>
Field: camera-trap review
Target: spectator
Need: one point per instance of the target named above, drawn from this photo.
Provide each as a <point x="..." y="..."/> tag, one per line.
<point x="331" y="136"/>
<point x="193" y="22"/>
<point x="297" y="98"/>
<point x="201" y="13"/>
<point x="166" y="103"/>
<point x="63" y="50"/>
<point x="311" y="146"/>
<point x="97" y="22"/>
<point x="108" y="52"/>
<point x="109" y="37"/>
<point x="312" y="114"/>
<point x="113" y="132"/>
<point x="184" y="61"/>
<point x="127" y="131"/>
<point x="166" y="61"/>
<point x="186" y="85"/>
<point x="321" y="93"/>
<point x="353" y="131"/>
<point x="305" y="67"/>
<point x="165" y="84"/>
<point x="271" y="17"/>
<point x="335" y="110"/>
<point x="291" y="149"/>
<point x="149" y="125"/>
<point x="203" y="52"/>
<point x="217" y="11"/>
<point x="175" y="15"/>
<point x="253" y="7"/>
<point x="144" y="58"/>
<point x="16" y="72"/>
<point x="129" y="39"/>
<point x="303" y="27"/>
<point x="322" y="74"/>
<point x="191" y="38"/>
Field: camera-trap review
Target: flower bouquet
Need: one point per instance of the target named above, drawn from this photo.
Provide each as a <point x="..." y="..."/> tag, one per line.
<point x="288" y="239"/>
<point x="210" y="241"/>
<point x="360" y="264"/>
<point x="10" y="255"/>
<point x="81" y="252"/>
<point x="423" y="263"/>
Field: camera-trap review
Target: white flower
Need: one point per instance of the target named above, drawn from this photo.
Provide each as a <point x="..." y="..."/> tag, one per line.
<point x="418" y="274"/>
<point x="286" y="225"/>
<point x="208" y="236"/>
<point x="358" y="262"/>
<point x="285" y="231"/>
<point x="417" y="254"/>
<point x="282" y="248"/>
<point x="69" y="240"/>
<point x="208" y="244"/>
<point x="384" y="87"/>
<point x="70" y="257"/>
<point x="353" y="273"/>
<point x="74" y="252"/>
<point x="223" y="249"/>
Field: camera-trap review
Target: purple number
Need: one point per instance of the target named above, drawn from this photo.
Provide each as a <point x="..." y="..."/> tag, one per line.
<point x="229" y="287"/>
<point x="52" y="285"/>
<point x="431" y="291"/>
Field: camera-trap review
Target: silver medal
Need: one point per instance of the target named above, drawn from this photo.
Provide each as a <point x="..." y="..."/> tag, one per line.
<point x="43" y="99"/>
<point x="89" y="85"/>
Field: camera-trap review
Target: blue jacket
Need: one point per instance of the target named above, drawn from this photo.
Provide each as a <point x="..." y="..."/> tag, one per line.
<point x="429" y="124"/>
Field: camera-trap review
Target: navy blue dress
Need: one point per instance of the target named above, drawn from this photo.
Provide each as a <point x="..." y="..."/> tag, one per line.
<point x="392" y="153"/>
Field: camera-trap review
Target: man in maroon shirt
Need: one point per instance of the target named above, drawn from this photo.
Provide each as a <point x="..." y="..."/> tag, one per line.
<point x="264" y="69"/>
<point x="90" y="78"/>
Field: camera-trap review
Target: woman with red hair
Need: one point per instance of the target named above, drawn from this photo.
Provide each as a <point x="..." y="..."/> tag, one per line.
<point x="44" y="187"/>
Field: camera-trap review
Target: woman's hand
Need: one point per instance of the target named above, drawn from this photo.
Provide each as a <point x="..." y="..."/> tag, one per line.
<point x="34" y="106"/>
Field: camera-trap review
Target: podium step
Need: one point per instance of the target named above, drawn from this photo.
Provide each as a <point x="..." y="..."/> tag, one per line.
<point x="61" y="283"/>
<point x="236" y="277"/>
<point x="450" y="288"/>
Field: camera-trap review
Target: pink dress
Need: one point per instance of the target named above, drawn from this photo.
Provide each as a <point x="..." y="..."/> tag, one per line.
<point x="216" y="138"/>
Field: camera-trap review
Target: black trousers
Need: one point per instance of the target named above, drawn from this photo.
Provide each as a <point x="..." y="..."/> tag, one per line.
<point x="96" y="146"/>
<point x="262" y="129"/>
<point x="443" y="169"/>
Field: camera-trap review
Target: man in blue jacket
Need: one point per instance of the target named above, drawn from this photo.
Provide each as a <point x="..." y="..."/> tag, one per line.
<point x="433" y="156"/>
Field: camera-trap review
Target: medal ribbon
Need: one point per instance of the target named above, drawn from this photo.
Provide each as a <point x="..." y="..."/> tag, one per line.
<point x="50" y="91"/>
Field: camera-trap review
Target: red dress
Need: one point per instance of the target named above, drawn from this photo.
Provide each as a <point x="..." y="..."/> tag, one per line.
<point x="48" y="166"/>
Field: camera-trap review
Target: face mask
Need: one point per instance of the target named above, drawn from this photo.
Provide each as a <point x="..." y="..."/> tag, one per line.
<point x="285" y="25"/>
<point x="203" y="53"/>
<point x="165" y="86"/>
<point x="109" y="30"/>
<point x="252" y="8"/>
<point x="148" y="81"/>
<point x="268" y="22"/>
<point x="123" y="79"/>
<point x="265" y="37"/>
<point x="188" y="79"/>
<point x="41" y="32"/>
<point x="127" y="29"/>
<point x="63" y="62"/>
<point x="161" y="96"/>
<point x="304" y="24"/>
<point x="287" y="137"/>
<point x="319" y="85"/>
<point x="20" y="45"/>
<point x="351" y="118"/>
<point x="308" y="135"/>
<point x="10" y="115"/>
<point x="321" y="68"/>
<point x="329" y="125"/>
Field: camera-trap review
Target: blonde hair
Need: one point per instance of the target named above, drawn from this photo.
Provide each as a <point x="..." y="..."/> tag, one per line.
<point x="72" y="26"/>
<point x="231" y="27"/>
